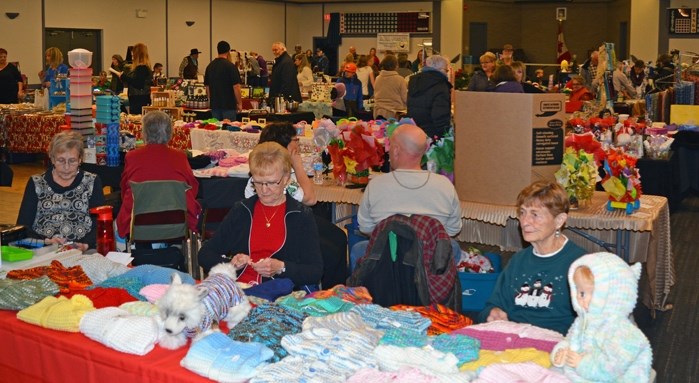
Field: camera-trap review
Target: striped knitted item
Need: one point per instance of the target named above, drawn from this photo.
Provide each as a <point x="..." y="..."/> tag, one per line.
<point x="64" y="277"/>
<point x="19" y="294"/>
<point x="317" y="307"/>
<point x="223" y="293"/>
<point x="463" y="347"/>
<point x="219" y="358"/>
<point x="97" y="267"/>
<point x="297" y="369"/>
<point x="120" y="330"/>
<point x="357" y="295"/>
<point x="143" y="309"/>
<point x="382" y="318"/>
<point x="340" y="321"/>
<point x="343" y="352"/>
<point x="443" y="318"/>
<point x="57" y="313"/>
<point x="428" y="360"/>
<point x="404" y="337"/>
<point x="267" y="324"/>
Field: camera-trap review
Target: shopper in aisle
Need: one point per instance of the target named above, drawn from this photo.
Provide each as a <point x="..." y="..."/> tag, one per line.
<point x="261" y="79"/>
<point x="11" y="84"/>
<point x="588" y="71"/>
<point x="405" y="67"/>
<point x="283" y="81"/>
<point x="623" y="88"/>
<point x="222" y="80"/>
<point x="156" y="162"/>
<point x="353" y="52"/>
<point x="54" y="66"/>
<point x="506" y="81"/>
<point x="304" y="74"/>
<point x="353" y="90"/>
<point x="390" y="90"/>
<point x="579" y="91"/>
<point x="520" y="71"/>
<point x="322" y="64"/>
<point x="349" y="59"/>
<point x="533" y="288"/>
<point x="139" y="79"/>
<point x="373" y="61"/>
<point x="189" y="67"/>
<point x="119" y="66"/>
<point x="481" y="79"/>
<point x="506" y="55"/>
<point x="56" y="204"/>
<point x="269" y="235"/>
<point x="429" y="97"/>
<point x="407" y="189"/>
<point x="158" y="74"/>
<point x="419" y="60"/>
<point x="365" y="74"/>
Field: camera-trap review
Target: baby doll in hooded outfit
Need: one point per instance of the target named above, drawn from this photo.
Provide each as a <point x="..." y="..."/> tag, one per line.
<point x="603" y="345"/>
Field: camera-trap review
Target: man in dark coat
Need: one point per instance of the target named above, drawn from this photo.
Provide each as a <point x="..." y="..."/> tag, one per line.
<point x="429" y="97"/>
<point x="283" y="81"/>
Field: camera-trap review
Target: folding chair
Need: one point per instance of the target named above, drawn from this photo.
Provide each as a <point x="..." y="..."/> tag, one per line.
<point x="159" y="215"/>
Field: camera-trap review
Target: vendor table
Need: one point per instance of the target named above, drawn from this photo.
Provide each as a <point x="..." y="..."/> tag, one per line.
<point x="660" y="177"/>
<point x="686" y="148"/>
<point x="643" y="236"/>
<point x="290" y="117"/>
<point x="206" y="140"/>
<point x="31" y="133"/>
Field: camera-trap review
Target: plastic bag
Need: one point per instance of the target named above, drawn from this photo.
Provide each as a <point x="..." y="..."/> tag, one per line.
<point x="41" y="99"/>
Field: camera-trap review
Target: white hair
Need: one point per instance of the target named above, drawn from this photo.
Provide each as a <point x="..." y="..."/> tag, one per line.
<point x="437" y="62"/>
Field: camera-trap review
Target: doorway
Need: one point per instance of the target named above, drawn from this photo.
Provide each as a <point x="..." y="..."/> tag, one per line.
<point x="477" y="40"/>
<point x="67" y="39"/>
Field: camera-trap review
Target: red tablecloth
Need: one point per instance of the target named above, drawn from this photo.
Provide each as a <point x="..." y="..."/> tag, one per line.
<point x="34" y="354"/>
<point x="31" y="133"/>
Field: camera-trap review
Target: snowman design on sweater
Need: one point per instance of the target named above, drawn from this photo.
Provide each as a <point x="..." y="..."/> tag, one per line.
<point x="536" y="296"/>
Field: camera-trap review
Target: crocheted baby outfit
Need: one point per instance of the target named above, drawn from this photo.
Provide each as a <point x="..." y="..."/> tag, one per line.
<point x="357" y="295"/>
<point x="120" y="330"/>
<point x="428" y="360"/>
<point x="223" y="293"/>
<point x="382" y="318"/>
<point x="504" y="335"/>
<point x="267" y="324"/>
<point x="519" y="355"/>
<point x="64" y="277"/>
<point x="20" y="294"/>
<point x="527" y="372"/>
<point x="144" y="309"/>
<point x="443" y="318"/>
<point x="340" y="321"/>
<point x="57" y="313"/>
<point x="152" y="274"/>
<point x="317" y="307"/>
<point x="408" y="375"/>
<point x="219" y="358"/>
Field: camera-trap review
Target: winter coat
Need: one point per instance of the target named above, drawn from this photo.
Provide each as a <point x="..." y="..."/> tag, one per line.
<point x="429" y="102"/>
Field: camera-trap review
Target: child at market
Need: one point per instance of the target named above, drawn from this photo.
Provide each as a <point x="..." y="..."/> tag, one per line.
<point x="603" y="344"/>
<point x="354" y="101"/>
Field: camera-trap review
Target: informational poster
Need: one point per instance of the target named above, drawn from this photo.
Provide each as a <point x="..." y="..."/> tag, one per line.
<point x="547" y="145"/>
<point x="396" y="42"/>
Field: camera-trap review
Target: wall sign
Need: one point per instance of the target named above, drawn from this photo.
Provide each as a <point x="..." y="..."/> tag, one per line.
<point x="683" y="21"/>
<point x="396" y="42"/>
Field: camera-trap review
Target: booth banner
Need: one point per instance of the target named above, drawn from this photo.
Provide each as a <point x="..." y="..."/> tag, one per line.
<point x="396" y="42"/>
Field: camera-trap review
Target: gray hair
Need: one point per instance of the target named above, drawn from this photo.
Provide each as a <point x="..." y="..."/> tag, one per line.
<point x="65" y="141"/>
<point x="281" y="44"/>
<point x="437" y="62"/>
<point x="157" y="127"/>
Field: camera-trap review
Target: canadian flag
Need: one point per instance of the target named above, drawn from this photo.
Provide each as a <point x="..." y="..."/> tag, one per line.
<point x="562" y="49"/>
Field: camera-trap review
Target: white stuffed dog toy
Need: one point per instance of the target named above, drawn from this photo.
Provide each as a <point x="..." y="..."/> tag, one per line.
<point x="190" y="310"/>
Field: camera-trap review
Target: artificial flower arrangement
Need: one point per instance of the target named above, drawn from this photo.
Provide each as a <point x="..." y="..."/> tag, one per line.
<point x="354" y="150"/>
<point x="440" y="156"/>
<point x="622" y="181"/>
<point x="578" y="175"/>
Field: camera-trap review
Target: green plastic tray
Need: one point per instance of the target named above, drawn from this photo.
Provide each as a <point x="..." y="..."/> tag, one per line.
<point x="15" y="254"/>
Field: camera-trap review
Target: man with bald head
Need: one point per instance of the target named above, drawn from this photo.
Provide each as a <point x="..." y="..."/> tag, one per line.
<point x="407" y="190"/>
<point x="283" y="80"/>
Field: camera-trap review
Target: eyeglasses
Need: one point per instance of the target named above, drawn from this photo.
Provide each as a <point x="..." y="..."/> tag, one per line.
<point x="71" y="162"/>
<point x="271" y="185"/>
<point x="486" y="62"/>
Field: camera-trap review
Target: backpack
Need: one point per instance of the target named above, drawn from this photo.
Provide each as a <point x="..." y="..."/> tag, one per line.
<point x="409" y="261"/>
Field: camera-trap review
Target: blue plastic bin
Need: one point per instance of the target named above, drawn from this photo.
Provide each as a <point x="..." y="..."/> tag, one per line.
<point x="477" y="287"/>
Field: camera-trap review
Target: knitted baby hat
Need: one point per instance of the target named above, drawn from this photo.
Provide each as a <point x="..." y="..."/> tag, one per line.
<point x="118" y="329"/>
<point x="58" y="313"/>
<point x="18" y="295"/>
<point x="222" y="359"/>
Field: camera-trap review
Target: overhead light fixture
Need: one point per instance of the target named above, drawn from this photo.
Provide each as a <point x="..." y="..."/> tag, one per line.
<point x="11" y="15"/>
<point x="189" y="23"/>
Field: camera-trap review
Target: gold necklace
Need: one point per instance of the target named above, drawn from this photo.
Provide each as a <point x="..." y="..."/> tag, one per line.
<point x="268" y="222"/>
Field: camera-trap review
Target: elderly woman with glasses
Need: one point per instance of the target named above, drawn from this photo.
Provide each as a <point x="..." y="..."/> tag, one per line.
<point x="56" y="204"/>
<point x="481" y="79"/>
<point x="534" y="287"/>
<point x="579" y="91"/>
<point x="269" y="235"/>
